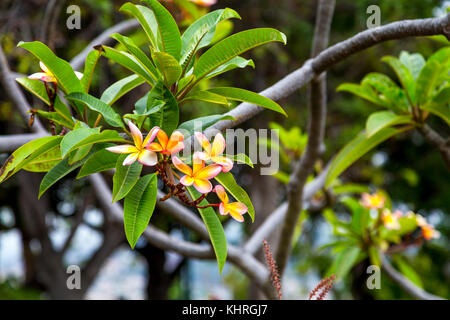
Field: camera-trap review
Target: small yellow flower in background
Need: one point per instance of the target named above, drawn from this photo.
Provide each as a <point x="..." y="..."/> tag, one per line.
<point x="428" y="231"/>
<point x="234" y="209"/>
<point x="138" y="151"/>
<point x="47" y="76"/>
<point x="214" y="152"/>
<point x="199" y="175"/>
<point x="373" y="201"/>
<point x="204" y="3"/>
<point x="390" y="220"/>
<point x="167" y="146"/>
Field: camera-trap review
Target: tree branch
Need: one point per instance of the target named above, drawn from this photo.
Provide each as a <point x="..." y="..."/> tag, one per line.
<point x="439" y="142"/>
<point x="316" y="130"/>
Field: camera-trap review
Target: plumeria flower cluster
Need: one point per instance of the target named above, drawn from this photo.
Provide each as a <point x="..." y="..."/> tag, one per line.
<point x="199" y="175"/>
<point x="391" y="220"/>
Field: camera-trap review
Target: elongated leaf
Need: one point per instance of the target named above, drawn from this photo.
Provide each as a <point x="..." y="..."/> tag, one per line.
<point x="382" y="119"/>
<point x="120" y="88"/>
<point x="168" y="29"/>
<point x="241" y="158"/>
<point x="138" y="207"/>
<point x="345" y="260"/>
<point x="17" y="158"/>
<point x="443" y="96"/>
<point x="61" y="69"/>
<point x="226" y="179"/>
<point x="74" y="137"/>
<point x="128" y="61"/>
<point x="201" y="32"/>
<point x="38" y="152"/>
<point x="248" y="96"/>
<point x="206" y="96"/>
<point x="89" y="67"/>
<point x="440" y="110"/>
<point x="79" y="154"/>
<point x="234" y="46"/>
<point x="55" y="117"/>
<point x="146" y="18"/>
<point x="214" y="227"/>
<point x="363" y="91"/>
<point x="404" y="75"/>
<point x="201" y="124"/>
<point x="168" y="116"/>
<point x="108" y="113"/>
<point x="355" y="149"/>
<point x="93" y="138"/>
<point x="125" y="178"/>
<point x="45" y="161"/>
<point x="236" y="62"/>
<point x="414" y="62"/>
<point x="407" y="270"/>
<point x="138" y="54"/>
<point x="100" y="161"/>
<point x="169" y="67"/>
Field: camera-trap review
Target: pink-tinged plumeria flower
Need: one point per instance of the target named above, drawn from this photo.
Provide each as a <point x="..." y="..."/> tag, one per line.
<point x="138" y="151"/>
<point x="234" y="209"/>
<point x="199" y="175"/>
<point x="47" y="75"/>
<point x="214" y="153"/>
<point x="428" y="231"/>
<point x="167" y="146"/>
<point x="390" y="219"/>
<point x="204" y="3"/>
<point x="373" y="201"/>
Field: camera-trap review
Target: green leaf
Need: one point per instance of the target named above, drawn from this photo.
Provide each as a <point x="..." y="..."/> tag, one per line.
<point x="236" y="62"/>
<point x="345" y="260"/>
<point x="108" y="113"/>
<point x="440" y="110"/>
<point x="45" y="161"/>
<point x="206" y="96"/>
<point x="356" y="148"/>
<point x="168" y="66"/>
<point x="120" y="88"/>
<point x="72" y="138"/>
<point x="93" y="138"/>
<point x="443" y="95"/>
<point x="241" y="158"/>
<point x="200" y="124"/>
<point x="168" y="117"/>
<point x="79" y="154"/>
<point x="233" y="46"/>
<point x="138" y="207"/>
<point x="214" y="228"/>
<point x="201" y="32"/>
<point x="248" y="96"/>
<point x="128" y="61"/>
<point x="226" y="179"/>
<point x="364" y="91"/>
<point x="374" y="256"/>
<point x="26" y="154"/>
<point x="407" y="271"/>
<point x="89" y="67"/>
<point x="383" y="119"/>
<point x="146" y="18"/>
<point x="100" y="161"/>
<point x="125" y="178"/>
<point x="168" y="29"/>
<point x="138" y="54"/>
<point x="55" y="117"/>
<point x="61" y="69"/>
<point x="414" y="62"/>
<point x="58" y="172"/>
<point x="431" y="75"/>
<point x="404" y="75"/>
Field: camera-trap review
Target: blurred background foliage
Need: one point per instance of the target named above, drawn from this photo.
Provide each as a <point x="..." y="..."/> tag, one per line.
<point x="407" y="168"/>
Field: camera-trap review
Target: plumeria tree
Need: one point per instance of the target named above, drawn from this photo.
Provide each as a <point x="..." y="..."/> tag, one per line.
<point x="158" y="161"/>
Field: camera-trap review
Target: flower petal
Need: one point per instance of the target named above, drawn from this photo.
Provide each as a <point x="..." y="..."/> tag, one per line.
<point x="236" y="210"/>
<point x="202" y="186"/>
<point x="222" y="209"/>
<point x="136" y="134"/>
<point x="218" y="146"/>
<point x="187" y="181"/>
<point x="154" y="146"/>
<point x="175" y="139"/>
<point x="126" y="148"/>
<point x="201" y="138"/>
<point x="40" y="76"/>
<point x="163" y="139"/>
<point x="150" y="136"/>
<point x="79" y="75"/>
<point x="221" y="194"/>
<point x="180" y="165"/>
<point x="177" y="148"/>
<point x="225" y="162"/>
<point x="197" y="163"/>
<point x="44" y="67"/>
<point x="209" y="172"/>
<point x="130" y="159"/>
<point x="148" y="158"/>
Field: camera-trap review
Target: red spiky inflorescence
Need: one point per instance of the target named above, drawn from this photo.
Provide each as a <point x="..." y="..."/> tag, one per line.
<point x="322" y="289"/>
<point x="273" y="269"/>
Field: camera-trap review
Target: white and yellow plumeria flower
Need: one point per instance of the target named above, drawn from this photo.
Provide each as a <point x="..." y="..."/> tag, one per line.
<point x="47" y="76"/>
<point x="234" y="209"/>
<point x="373" y="201"/>
<point x="390" y="220"/>
<point x="204" y="3"/>
<point x="138" y="151"/>
<point x="428" y="231"/>
<point x="214" y="152"/>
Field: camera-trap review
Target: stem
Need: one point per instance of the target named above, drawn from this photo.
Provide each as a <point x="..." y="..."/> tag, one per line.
<point x="97" y="121"/>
